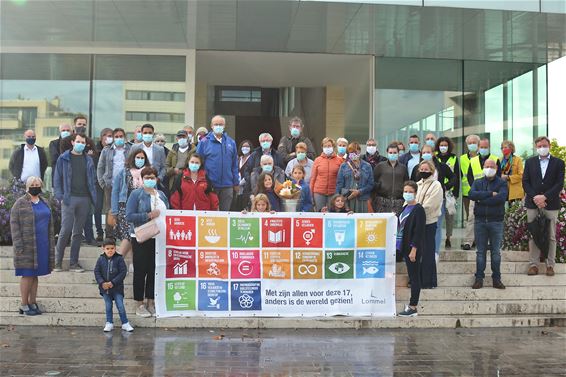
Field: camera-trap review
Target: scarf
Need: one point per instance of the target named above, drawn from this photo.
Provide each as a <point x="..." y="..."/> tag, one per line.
<point x="355" y="169"/>
<point x="507" y="165"/>
<point x="137" y="180"/>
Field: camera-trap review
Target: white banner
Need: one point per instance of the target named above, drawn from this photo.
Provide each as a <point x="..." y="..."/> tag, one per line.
<point x="223" y="264"/>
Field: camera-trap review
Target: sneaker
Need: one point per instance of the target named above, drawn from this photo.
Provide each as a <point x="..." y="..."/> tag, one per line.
<point x="478" y="284"/>
<point x="533" y="270"/>
<point x="76" y="268"/>
<point x="408" y="312"/>
<point x="94" y="243"/>
<point x="127" y="327"/>
<point x="108" y="327"/>
<point x="58" y="268"/>
<point x="131" y="268"/>
<point x="100" y="237"/>
<point x="466" y="247"/>
<point x="36" y="308"/>
<point x="549" y="271"/>
<point x="497" y="284"/>
<point x="151" y="310"/>
<point x="447" y="244"/>
<point x="143" y="312"/>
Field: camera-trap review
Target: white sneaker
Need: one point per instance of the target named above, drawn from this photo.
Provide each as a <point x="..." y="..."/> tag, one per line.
<point x="127" y="327"/>
<point x="143" y="312"/>
<point x="151" y="310"/>
<point x="108" y="327"/>
<point x="131" y="268"/>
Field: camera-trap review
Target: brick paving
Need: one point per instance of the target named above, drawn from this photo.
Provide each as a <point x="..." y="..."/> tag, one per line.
<point x="79" y="351"/>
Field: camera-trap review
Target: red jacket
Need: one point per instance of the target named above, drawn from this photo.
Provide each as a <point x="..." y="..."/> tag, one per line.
<point x="193" y="194"/>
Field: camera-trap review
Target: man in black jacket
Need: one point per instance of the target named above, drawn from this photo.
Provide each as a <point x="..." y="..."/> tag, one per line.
<point x="65" y="130"/>
<point x="489" y="194"/>
<point x="28" y="160"/>
<point x="543" y="180"/>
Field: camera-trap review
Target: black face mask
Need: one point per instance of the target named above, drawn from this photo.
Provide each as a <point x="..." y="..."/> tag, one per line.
<point x="425" y="174"/>
<point x="34" y="191"/>
<point x="80" y="130"/>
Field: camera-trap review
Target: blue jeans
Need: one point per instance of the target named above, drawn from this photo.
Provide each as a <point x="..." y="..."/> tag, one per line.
<point x="119" y="299"/>
<point x="488" y="233"/>
<point x="438" y="235"/>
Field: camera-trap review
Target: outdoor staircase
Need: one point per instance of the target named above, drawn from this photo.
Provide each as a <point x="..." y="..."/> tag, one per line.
<point x="72" y="299"/>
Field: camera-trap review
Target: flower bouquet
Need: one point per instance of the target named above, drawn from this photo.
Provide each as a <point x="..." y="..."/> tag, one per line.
<point x="288" y="190"/>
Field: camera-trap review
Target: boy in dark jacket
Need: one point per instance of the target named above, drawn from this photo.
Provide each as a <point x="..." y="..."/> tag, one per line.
<point x="110" y="272"/>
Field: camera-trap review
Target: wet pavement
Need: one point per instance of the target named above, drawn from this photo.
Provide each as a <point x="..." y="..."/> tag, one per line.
<point x="79" y="351"/>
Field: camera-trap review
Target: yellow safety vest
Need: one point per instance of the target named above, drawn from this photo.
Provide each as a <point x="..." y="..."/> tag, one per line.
<point x="477" y="169"/>
<point x="451" y="162"/>
<point x="464" y="166"/>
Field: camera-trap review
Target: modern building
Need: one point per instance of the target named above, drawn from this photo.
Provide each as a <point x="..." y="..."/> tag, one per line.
<point x="386" y="69"/>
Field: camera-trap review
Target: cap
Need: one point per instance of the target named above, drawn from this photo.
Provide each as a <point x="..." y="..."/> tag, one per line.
<point x="182" y="133"/>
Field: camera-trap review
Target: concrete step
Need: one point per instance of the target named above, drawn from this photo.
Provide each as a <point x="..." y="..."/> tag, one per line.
<point x="457" y="307"/>
<point x="79" y="291"/>
<point x="218" y="324"/>
<point x="470" y="268"/>
<point x="510" y="280"/>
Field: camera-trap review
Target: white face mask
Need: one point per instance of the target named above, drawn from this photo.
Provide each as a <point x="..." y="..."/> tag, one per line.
<point x="371" y="149"/>
<point x="543" y="151"/>
<point x="328" y="150"/>
<point x="489" y="172"/>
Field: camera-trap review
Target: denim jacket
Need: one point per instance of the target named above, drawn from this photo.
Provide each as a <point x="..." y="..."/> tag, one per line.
<point x="63" y="175"/>
<point x="346" y="177"/>
<point x="139" y="205"/>
<point x="119" y="191"/>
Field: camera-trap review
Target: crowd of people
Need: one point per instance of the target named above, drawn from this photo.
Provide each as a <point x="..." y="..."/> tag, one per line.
<point x="133" y="182"/>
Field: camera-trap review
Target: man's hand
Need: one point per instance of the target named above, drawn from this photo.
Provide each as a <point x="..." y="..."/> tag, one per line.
<point x="413" y="254"/>
<point x="540" y="201"/>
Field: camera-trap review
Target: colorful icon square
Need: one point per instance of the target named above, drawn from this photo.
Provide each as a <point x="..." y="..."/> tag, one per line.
<point x="245" y="295"/>
<point x="180" y="231"/>
<point x="339" y="233"/>
<point x="371" y="233"/>
<point x="180" y="263"/>
<point x="213" y="264"/>
<point x="276" y="264"/>
<point x="213" y="295"/>
<point x="244" y="232"/>
<point x="339" y="264"/>
<point x="212" y="231"/>
<point x="307" y="233"/>
<point x="180" y="295"/>
<point x="307" y="264"/>
<point x="245" y="264"/>
<point x="370" y="264"/>
<point x="276" y="232"/>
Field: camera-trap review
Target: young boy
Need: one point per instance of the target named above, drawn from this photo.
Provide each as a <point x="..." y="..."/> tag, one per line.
<point x="110" y="272"/>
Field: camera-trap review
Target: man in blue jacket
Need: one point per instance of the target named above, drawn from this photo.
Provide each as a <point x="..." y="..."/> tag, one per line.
<point x="74" y="185"/>
<point x="489" y="194"/>
<point x="220" y="161"/>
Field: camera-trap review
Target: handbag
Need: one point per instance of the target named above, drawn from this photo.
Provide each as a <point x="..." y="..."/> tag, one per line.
<point x="146" y="231"/>
<point x="110" y="219"/>
<point x="450" y="203"/>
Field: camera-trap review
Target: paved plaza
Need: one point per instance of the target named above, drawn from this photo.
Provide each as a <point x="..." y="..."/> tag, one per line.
<point x="74" y="351"/>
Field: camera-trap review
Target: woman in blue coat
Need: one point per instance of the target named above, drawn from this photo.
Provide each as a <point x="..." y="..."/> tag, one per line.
<point x="355" y="179"/>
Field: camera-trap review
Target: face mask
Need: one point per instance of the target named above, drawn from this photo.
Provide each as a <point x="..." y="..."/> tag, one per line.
<point x="371" y="149"/>
<point x="245" y="150"/>
<point x="79" y="148"/>
<point x="414" y="148"/>
<point x="183" y="142"/>
<point x="150" y="183"/>
<point x="354" y="156"/>
<point x="80" y="130"/>
<point x="65" y="134"/>
<point x="408" y="196"/>
<point x="267" y="168"/>
<point x="484" y="152"/>
<point x="194" y="167"/>
<point x="301" y="156"/>
<point x="427" y="156"/>
<point x="489" y="172"/>
<point x="147" y="138"/>
<point x="430" y="142"/>
<point x="139" y="136"/>
<point x="543" y="151"/>
<point x="472" y="147"/>
<point x="443" y="149"/>
<point x="392" y="156"/>
<point x="341" y="150"/>
<point x="266" y="144"/>
<point x="109" y="140"/>
<point x="119" y="142"/>
<point x="506" y="151"/>
<point x="34" y="191"/>
<point x="295" y="132"/>
<point x="140" y="162"/>
<point x="425" y="174"/>
<point x="30" y="140"/>
<point x="218" y="129"/>
<point x="328" y="150"/>
<point x="401" y="152"/>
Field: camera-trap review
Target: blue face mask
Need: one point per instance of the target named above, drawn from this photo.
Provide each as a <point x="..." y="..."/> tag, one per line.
<point x="119" y="142"/>
<point x="266" y="144"/>
<point x="301" y="156"/>
<point x="183" y="142"/>
<point x="413" y="148"/>
<point x="295" y="132"/>
<point x="392" y="156"/>
<point x="65" y="134"/>
<point x="341" y="150"/>
<point x="427" y="156"/>
<point x="472" y="147"/>
<point x="408" y="196"/>
<point x="149" y="183"/>
<point x="267" y="168"/>
<point x="401" y="152"/>
<point x="194" y="167"/>
<point x="139" y="136"/>
<point x="218" y="130"/>
<point x="79" y="148"/>
<point x="140" y="162"/>
<point x="147" y="138"/>
<point x="484" y="152"/>
<point x="430" y="142"/>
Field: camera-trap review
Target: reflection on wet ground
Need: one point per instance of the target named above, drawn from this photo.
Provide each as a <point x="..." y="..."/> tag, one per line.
<point x="180" y="352"/>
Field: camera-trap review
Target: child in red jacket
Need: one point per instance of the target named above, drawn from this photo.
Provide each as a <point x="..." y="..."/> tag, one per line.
<point x="192" y="190"/>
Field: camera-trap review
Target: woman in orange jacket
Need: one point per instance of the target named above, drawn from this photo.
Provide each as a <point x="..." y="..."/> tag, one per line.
<point x="324" y="174"/>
